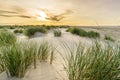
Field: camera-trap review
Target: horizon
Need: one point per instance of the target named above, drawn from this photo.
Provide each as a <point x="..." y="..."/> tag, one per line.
<point x="60" y="12"/>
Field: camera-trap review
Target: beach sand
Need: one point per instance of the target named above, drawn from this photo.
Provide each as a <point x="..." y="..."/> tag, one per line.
<point x="56" y="71"/>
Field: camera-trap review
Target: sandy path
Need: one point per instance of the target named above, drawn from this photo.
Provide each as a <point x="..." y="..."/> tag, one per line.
<point x="44" y="71"/>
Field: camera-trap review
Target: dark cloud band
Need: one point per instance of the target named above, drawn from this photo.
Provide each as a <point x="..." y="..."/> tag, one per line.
<point x="22" y="16"/>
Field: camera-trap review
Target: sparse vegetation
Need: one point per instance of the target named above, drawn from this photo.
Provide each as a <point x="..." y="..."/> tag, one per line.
<point x="7" y="38"/>
<point x="52" y="55"/>
<point x="18" y="31"/>
<point x="109" y="38"/>
<point x="93" y="63"/>
<point x="69" y="29"/>
<point x="43" y="51"/>
<point x="81" y="32"/>
<point x="93" y="34"/>
<point x="17" y="58"/>
<point x="2" y="68"/>
<point x="12" y="27"/>
<point x="31" y="31"/>
<point x="57" y="33"/>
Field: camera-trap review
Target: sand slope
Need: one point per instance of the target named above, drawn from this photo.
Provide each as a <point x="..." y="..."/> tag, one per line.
<point x="56" y="71"/>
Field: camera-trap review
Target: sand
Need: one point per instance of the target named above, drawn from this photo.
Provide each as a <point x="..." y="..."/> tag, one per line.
<point x="56" y="71"/>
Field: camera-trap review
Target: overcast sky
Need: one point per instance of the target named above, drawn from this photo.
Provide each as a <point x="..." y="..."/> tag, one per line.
<point x="60" y="12"/>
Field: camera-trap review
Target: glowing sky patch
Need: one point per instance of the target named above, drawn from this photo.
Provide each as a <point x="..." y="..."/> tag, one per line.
<point x="41" y="16"/>
<point x="60" y="12"/>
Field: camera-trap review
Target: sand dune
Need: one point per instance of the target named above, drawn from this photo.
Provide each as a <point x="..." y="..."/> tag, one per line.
<point x="56" y="71"/>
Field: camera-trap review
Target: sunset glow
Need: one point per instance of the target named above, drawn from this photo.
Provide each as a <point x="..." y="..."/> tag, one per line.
<point x="60" y="12"/>
<point x="42" y="16"/>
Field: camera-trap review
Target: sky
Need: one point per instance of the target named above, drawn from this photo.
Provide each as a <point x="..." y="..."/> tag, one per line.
<point x="60" y="12"/>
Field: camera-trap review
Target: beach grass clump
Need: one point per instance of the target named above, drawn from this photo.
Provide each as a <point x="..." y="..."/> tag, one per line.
<point x="109" y="38"/>
<point x="45" y="51"/>
<point x="2" y="66"/>
<point x="93" y="63"/>
<point x="17" y="59"/>
<point x="82" y="32"/>
<point x="7" y="38"/>
<point x="31" y="31"/>
<point x="42" y="29"/>
<point x="18" y="31"/>
<point x="11" y="27"/>
<point x="69" y="29"/>
<point x="57" y="33"/>
<point x="52" y="55"/>
<point x="79" y="32"/>
<point x="93" y="34"/>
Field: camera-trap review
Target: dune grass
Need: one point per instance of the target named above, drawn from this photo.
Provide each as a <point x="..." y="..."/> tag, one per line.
<point x="45" y="51"/>
<point x="82" y="32"/>
<point x="11" y="27"/>
<point x="18" y="31"/>
<point x="69" y="29"/>
<point x="109" y="38"/>
<point x="93" y="63"/>
<point x="52" y="54"/>
<point x="7" y="38"/>
<point x="57" y="33"/>
<point x="2" y="68"/>
<point x="31" y="31"/>
<point x="17" y="58"/>
<point x="93" y="34"/>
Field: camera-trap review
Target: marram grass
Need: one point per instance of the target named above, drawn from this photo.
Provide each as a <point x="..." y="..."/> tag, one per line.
<point x="82" y="32"/>
<point x="7" y="38"/>
<point x="17" y="58"/>
<point x="2" y="68"/>
<point x="93" y="63"/>
<point x="109" y="38"/>
<point x="57" y="33"/>
<point x="32" y="30"/>
<point x="45" y="51"/>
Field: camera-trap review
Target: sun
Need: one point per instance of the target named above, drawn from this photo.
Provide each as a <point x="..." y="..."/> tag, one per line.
<point x="42" y="16"/>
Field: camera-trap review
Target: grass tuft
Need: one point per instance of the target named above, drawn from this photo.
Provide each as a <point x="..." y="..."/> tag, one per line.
<point x="45" y="50"/>
<point x="7" y="38"/>
<point x="18" y="31"/>
<point x="17" y="58"/>
<point x="81" y="32"/>
<point x="57" y="33"/>
<point x="109" y="38"/>
<point x="93" y="34"/>
<point x="31" y="31"/>
<point x="93" y="63"/>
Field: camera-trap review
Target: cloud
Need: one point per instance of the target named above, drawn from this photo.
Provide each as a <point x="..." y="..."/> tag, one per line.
<point x="18" y="9"/>
<point x="21" y="16"/>
<point x="24" y="16"/>
<point x="15" y="9"/>
<point x="59" y="17"/>
<point x="56" y="17"/>
<point x="5" y="11"/>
